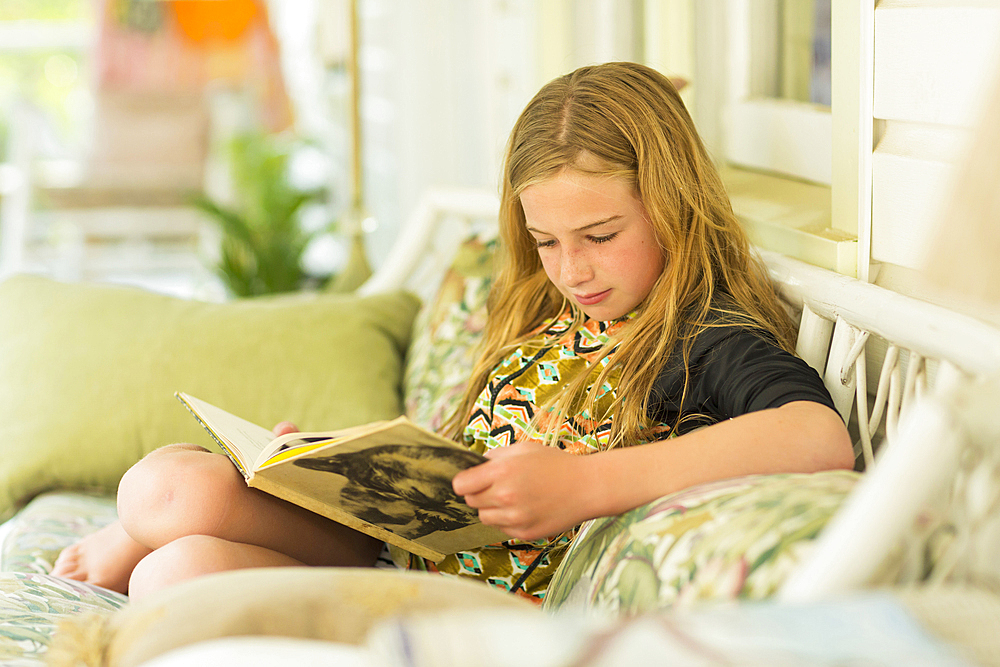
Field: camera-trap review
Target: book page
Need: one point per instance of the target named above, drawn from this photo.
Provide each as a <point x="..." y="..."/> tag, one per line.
<point x="293" y="444"/>
<point x="393" y="482"/>
<point x="297" y="443"/>
<point x="242" y="440"/>
<point x="250" y="445"/>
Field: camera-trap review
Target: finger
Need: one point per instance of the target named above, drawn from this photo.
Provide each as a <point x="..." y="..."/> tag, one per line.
<point x="478" y="501"/>
<point x="472" y="480"/>
<point x="284" y="427"/>
<point x="513" y="525"/>
<point x="500" y="517"/>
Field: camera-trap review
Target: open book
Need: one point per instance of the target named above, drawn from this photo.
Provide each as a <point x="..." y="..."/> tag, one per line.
<point x="390" y="480"/>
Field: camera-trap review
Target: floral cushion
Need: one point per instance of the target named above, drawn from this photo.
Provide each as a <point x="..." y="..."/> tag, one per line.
<point x="446" y="333"/>
<point x="726" y="540"/>
<point x="33" y="605"/>
<point x="32" y="602"/>
<point x="50" y="523"/>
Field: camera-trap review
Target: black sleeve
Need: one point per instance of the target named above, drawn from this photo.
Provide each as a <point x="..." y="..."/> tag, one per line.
<point x="734" y="371"/>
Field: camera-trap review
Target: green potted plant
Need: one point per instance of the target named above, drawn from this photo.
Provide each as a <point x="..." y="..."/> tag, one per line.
<point x="262" y="239"/>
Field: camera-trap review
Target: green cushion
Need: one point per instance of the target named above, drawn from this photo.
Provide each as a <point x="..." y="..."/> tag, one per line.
<point x="88" y="372"/>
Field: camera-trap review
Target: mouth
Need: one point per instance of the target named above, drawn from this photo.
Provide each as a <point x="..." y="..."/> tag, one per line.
<point x="591" y="299"/>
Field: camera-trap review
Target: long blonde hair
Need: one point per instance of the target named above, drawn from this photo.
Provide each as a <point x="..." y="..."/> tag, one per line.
<point x="628" y="119"/>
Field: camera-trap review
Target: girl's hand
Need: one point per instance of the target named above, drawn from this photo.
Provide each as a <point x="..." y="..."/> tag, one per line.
<point x="283" y="428"/>
<point x="528" y="490"/>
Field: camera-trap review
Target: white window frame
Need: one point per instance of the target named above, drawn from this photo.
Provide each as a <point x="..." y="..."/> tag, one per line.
<point x="853" y="132"/>
<point x="776" y="155"/>
<point x="769" y="133"/>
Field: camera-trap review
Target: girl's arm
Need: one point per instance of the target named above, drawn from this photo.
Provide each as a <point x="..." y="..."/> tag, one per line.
<point x="532" y="491"/>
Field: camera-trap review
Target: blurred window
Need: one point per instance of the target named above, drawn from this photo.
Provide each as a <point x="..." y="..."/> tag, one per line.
<point x="790" y="42"/>
<point x="45" y="61"/>
<point x="779" y="98"/>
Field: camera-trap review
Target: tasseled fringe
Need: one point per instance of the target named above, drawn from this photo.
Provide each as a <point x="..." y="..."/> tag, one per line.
<point x="81" y="641"/>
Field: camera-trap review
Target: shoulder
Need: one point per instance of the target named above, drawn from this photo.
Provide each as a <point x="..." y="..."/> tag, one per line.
<point x="719" y="335"/>
<point x="727" y="368"/>
<point x="716" y="347"/>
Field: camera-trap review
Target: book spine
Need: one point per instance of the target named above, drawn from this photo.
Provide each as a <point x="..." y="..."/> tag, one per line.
<point x="247" y="474"/>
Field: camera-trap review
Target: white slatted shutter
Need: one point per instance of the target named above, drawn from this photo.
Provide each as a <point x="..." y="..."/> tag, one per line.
<point x="932" y="65"/>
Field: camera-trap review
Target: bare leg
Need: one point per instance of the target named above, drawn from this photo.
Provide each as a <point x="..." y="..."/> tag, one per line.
<point x="198" y="555"/>
<point x="183" y="490"/>
<point x="105" y="558"/>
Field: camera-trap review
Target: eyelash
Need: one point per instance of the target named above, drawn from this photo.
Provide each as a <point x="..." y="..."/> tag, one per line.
<point x="594" y="239"/>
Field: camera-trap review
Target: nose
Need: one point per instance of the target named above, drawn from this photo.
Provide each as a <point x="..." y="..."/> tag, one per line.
<point x="575" y="268"/>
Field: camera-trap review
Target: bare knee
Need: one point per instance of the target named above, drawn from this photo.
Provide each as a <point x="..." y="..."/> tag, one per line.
<point x="176" y="491"/>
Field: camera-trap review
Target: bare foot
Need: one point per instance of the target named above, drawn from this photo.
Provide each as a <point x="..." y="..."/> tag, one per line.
<point x="105" y="558"/>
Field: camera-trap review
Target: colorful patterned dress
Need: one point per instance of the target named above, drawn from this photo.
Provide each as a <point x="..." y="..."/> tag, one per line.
<point x="503" y="413"/>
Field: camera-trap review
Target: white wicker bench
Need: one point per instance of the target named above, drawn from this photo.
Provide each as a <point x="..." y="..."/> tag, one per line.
<point x="926" y="358"/>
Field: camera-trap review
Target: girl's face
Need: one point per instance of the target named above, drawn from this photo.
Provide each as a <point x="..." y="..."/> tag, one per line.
<point x="595" y="241"/>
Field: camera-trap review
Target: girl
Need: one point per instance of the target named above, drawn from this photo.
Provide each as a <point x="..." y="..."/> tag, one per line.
<point x="630" y="322"/>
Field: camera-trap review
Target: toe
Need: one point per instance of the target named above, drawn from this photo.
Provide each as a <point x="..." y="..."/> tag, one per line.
<point x="68" y="563"/>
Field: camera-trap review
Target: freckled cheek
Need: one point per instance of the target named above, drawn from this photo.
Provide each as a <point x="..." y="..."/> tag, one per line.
<point x="550" y="264"/>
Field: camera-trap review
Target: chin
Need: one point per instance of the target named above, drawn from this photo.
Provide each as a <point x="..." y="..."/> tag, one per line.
<point x="604" y="314"/>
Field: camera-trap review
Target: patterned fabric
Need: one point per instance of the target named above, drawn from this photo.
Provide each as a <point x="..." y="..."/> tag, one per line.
<point x="531" y="375"/>
<point x="727" y="540"/>
<point x="32" y="606"/>
<point x="446" y="332"/>
<point x="504" y="414"/>
<point x="32" y="602"/>
<point x="50" y="523"/>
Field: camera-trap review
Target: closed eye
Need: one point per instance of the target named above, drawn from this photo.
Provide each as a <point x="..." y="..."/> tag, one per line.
<point x="604" y="238"/>
<point x="544" y="243"/>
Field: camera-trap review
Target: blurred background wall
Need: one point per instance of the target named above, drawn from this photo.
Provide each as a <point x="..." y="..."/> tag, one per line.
<point x="837" y="125"/>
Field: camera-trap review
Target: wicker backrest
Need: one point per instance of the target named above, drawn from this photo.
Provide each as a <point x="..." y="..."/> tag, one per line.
<point x="937" y="468"/>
